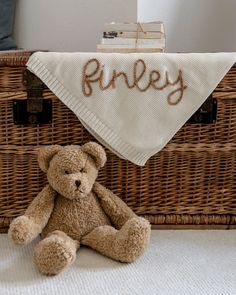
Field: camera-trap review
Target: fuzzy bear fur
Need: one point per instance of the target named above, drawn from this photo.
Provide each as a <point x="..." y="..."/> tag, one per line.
<point x="74" y="209"/>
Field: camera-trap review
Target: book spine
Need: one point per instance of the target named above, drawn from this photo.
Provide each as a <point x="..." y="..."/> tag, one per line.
<point x="130" y="50"/>
<point x="133" y="42"/>
<point x="133" y="27"/>
<point x="139" y="35"/>
<point x="129" y="46"/>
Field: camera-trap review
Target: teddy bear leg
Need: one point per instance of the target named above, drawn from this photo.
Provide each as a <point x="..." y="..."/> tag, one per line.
<point x="55" y="252"/>
<point x="124" y="245"/>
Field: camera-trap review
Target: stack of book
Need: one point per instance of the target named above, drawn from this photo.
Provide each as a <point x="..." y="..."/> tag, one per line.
<point x="133" y="37"/>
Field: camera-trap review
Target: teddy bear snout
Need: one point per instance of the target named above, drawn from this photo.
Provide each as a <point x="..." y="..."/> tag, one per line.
<point x="77" y="183"/>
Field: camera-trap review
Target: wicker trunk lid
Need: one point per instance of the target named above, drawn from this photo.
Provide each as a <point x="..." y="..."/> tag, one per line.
<point x="191" y="182"/>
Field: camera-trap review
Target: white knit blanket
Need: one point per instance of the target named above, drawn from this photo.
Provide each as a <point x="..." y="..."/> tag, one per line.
<point x="132" y="103"/>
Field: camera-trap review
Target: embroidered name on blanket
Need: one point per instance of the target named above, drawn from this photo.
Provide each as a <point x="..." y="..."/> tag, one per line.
<point x="94" y="72"/>
<point x="132" y="103"/>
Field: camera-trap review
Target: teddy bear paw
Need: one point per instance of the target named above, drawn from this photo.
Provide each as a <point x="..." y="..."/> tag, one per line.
<point x="22" y="230"/>
<point x="133" y="238"/>
<point x="53" y="254"/>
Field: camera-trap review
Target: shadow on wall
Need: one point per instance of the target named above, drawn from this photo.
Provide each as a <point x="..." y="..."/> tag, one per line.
<point x="206" y="27"/>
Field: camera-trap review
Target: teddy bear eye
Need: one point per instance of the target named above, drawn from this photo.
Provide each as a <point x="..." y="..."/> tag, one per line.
<point x="67" y="172"/>
<point x="82" y="170"/>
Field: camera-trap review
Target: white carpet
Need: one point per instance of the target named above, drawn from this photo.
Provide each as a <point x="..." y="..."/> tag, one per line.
<point x="176" y="263"/>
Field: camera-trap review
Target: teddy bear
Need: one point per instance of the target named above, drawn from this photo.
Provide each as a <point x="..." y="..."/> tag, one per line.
<point x="74" y="209"/>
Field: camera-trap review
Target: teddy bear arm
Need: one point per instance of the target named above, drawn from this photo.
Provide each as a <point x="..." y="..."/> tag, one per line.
<point x="42" y="206"/>
<point x="25" y="228"/>
<point x="113" y="206"/>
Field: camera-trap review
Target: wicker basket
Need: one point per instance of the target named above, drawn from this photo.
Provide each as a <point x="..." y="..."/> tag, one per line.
<point x="190" y="183"/>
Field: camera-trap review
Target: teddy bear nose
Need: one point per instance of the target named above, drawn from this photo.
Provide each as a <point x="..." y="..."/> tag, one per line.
<point x="77" y="183"/>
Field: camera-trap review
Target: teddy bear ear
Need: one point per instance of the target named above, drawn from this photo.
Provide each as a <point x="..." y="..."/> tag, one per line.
<point x="96" y="152"/>
<point x="46" y="154"/>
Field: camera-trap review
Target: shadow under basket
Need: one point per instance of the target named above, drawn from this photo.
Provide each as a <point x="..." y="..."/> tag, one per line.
<point x="191" y="183"/>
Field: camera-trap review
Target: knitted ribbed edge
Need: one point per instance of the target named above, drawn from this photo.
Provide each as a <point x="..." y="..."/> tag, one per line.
<point x="89" y="120"/>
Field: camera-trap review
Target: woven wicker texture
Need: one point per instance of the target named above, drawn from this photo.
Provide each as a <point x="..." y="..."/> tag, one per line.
<point x="191" y="181"/>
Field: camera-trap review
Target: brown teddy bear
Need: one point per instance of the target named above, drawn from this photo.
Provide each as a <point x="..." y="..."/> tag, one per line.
<point x="74" y="209"/>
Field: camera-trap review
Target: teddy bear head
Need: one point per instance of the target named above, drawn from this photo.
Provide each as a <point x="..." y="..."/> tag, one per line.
<point x="72" y="170"/>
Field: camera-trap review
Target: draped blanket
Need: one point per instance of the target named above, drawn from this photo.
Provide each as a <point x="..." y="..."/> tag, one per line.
<point x="132" y="103"/>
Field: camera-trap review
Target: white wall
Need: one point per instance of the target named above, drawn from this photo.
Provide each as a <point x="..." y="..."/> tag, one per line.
<point x="194" y="25"/>
<point x="76" y="25"/>
<point x="67" y="25"/>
